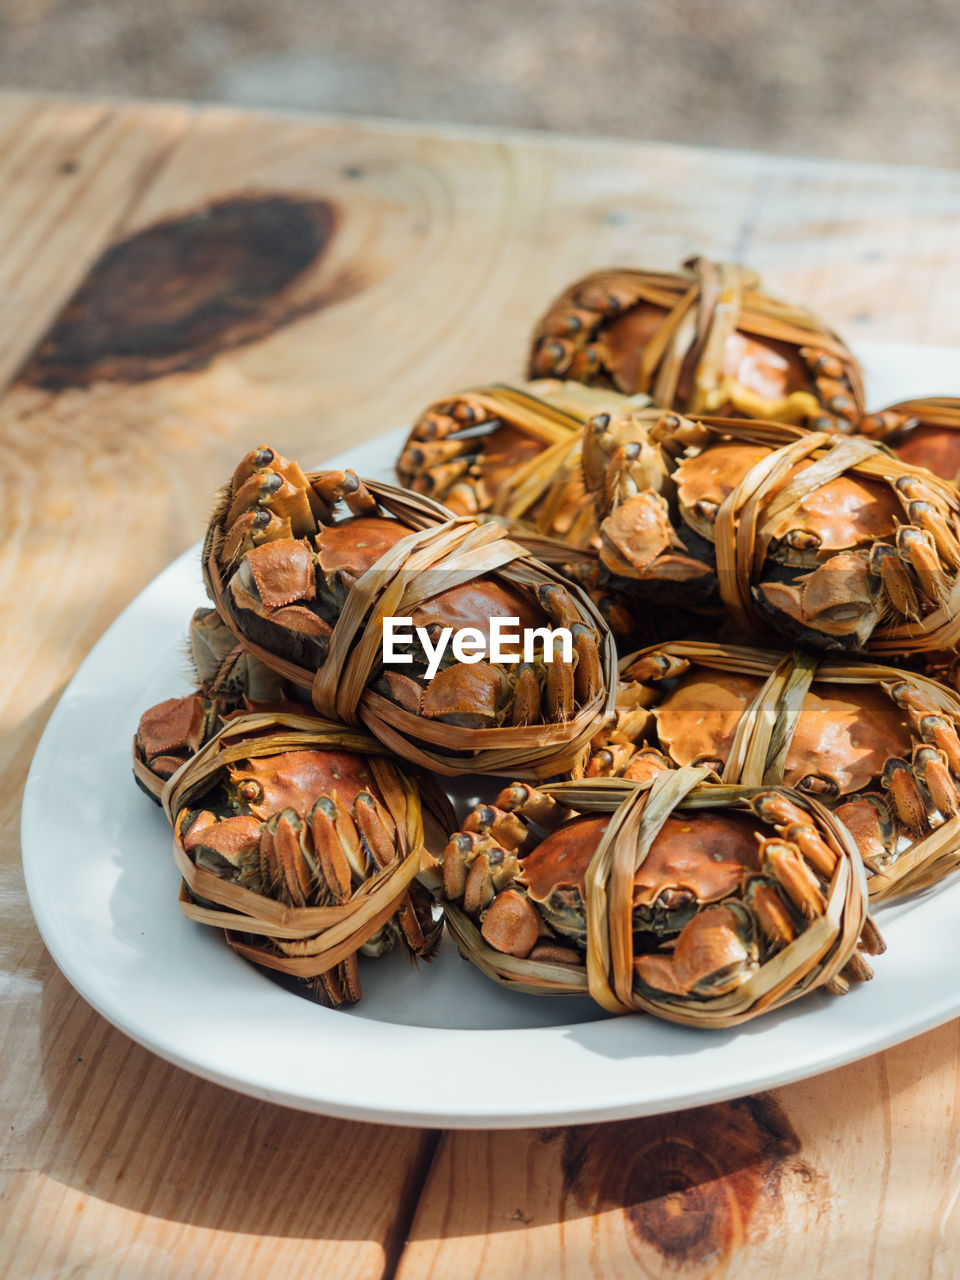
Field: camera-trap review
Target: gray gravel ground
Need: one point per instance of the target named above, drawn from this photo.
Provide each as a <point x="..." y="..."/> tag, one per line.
<point x="874" y="79"/>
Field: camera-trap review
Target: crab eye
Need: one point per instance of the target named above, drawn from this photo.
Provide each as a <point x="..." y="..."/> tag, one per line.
<point x="251" y="791"/>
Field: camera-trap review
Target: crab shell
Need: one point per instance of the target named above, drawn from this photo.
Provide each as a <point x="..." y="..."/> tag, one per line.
<point x="356" y="544"/>
<point x="841" y="515"/>
<point x="265" y="785"/>
<point x="694" y="860"/>
<point x="768" y="369"/>
<point x="844" y="733"/>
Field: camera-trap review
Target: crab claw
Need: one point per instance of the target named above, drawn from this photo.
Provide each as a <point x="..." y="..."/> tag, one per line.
<point x="174" y="730"/>
<point x="653" y="667"/>
<point x="836" y="599"/>
<point x="470" y="696"/>
<point x="646" y="764"/>
<point x="274" y="575"/>
<point x="868" y="819"/>
<point x="229" y="847"/>
<point x="714" y="953"/>
<point x="511" y="925"/>
<point x="638" y="541"/>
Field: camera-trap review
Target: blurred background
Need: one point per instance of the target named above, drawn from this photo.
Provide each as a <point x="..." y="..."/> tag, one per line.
<point x="869" y="79"/>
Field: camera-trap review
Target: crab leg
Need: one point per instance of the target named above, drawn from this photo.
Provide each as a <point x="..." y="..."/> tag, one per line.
<point x="586" y="672"/>
<point x="917" y="549"/>
<point x="771" y="912"/>
<point x="529" y="802"/>
<point x="337" y="844"/>
<point x="926" y="517"/>
<point x="500" y="825"/>
<point x="559" y="691"/>
<point x="898" y="779"/>
<point x="783" y="860"/>
<point x="285" y="858"/>
<point x="930" y="767"/>
<point x="333" y="485"/>
<point x="526" y="696"/>
<point x="272" y="491"/>
<point x="378" y="829"/>
<point x="794" y="825"/>
<point x="942" y="734"/>
<point x="895" y="579"/>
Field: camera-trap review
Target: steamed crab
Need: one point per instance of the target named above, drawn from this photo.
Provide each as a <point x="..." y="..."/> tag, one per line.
<point x="511" y="451"/>
<point x="828" y="540"/>
<point x="719" y="892"/>
<point x="704" y="340"/>
<point x="880" y="747"/>
<point x="307" y="828"/>
<point x="286" y="561"/>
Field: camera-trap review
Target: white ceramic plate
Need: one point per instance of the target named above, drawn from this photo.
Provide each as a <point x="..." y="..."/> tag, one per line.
<point x="438" y="1046"/>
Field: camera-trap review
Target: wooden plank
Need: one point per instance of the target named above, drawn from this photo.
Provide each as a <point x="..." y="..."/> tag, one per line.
<point x="856" y="1173"/>
<point x="116" y="1164"/>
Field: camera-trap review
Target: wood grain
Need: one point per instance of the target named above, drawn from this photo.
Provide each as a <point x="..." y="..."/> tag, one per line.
<point x="361" y="272"/>
<point x="856" y="1173"/>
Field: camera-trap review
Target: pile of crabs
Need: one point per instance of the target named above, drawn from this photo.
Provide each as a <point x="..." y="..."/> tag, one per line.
<point x="752" y="739"/>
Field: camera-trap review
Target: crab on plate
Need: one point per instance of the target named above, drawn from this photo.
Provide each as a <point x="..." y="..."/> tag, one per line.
<point x="702" y="340"/>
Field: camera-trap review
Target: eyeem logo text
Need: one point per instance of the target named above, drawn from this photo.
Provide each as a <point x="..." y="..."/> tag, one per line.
<point x="504" y="644"/>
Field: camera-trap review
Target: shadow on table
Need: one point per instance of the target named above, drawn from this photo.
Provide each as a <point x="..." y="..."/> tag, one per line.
<point x="131" y="1129"/>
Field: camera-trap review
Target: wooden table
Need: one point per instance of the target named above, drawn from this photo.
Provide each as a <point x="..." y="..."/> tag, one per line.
<point x="177" y="285"/>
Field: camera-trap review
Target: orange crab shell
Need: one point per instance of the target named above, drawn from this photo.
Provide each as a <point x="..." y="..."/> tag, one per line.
<point x="768" y="368"/>
<point x="294" y="779"/>
<point x="936" y="448"/>
<point x="355" y="545"/>
<point x="845" y="733"/>
<point x="844" y="512"/>
<point x="704" y="853"/>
